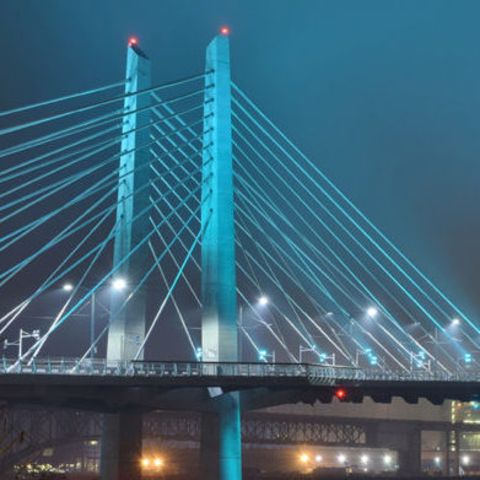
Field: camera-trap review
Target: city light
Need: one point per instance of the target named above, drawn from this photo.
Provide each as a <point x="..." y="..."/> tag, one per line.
<point x="119" y="284"/>
<point x="263" y="301"/>
<point x="154" y="463"/>
<point x="342" y="458"/>
<point x="372" y="312"/>
<point x="318" y="458"/>
<point x="304" y="458"/>
<point x="465" y="460"/>
<point x="437" y="460"/>
<point x="387" y="459"/>
<point x="68" y="287"/>
<point x="467" y="358"/>
<point x="456" y="321"/>
<point x="364" y="459"/>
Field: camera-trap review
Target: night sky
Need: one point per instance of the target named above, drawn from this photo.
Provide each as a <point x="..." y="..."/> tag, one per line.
<point x="383" y="95"/>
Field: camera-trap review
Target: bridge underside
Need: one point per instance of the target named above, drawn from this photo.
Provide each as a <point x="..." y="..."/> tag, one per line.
<point x="113" y="394"/>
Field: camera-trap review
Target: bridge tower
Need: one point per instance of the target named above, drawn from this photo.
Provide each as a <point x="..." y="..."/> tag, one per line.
<point x="127" y="328"/>
<point x="221" y="432"/>
<point x="122" y="430"/>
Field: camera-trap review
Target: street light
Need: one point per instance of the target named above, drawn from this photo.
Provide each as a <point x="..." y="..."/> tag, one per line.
<point x="370" y="355"/>
<point x="263" y="301"/>
<point x="263" y="355"/>
<point x="323" y="358"/>
<point x="456" y="321"/>
<point x="387" y="459"/>
<point x="304" y="458"/>
<point x="364" y="459"/>
<point x="419" y="360"/>
<point x="372" y="312"/>
<point x="119" y="284"/>
<point x="342" y="458"/>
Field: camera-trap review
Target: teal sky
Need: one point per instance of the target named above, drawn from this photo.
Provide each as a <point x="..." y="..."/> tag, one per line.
<point x="383" y="95"/>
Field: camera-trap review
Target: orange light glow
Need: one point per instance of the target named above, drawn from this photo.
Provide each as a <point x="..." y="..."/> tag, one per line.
<point x="304" y="458"/>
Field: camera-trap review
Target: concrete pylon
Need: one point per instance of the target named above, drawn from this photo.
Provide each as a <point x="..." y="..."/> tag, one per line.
<point x="122" y="431"/>
<point x="127" y="328"/>
<point x="121" y="447"/>
<point x="219" y="295"/>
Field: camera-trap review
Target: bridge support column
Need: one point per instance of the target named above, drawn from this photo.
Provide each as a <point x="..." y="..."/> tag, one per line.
<point x="219" y="295"/>
<point x="122" y="435"/>
<point x="405" y="440"/>
<point x="453" y="452"/>
<point x="220" y="448"/>
<point x="121" y="447"/>
<point x="209" y="446"/>
<point x="410" y="457"/>
<point x="127" y="328"/>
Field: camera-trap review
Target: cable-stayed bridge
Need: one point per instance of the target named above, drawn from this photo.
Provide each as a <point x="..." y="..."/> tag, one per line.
<point x="168" y="246"/>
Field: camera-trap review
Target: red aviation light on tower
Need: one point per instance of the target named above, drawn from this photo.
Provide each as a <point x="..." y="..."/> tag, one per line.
<point x="341" y="393"/>
<point x="225" y="31"/>
<point x="132" y="41"/>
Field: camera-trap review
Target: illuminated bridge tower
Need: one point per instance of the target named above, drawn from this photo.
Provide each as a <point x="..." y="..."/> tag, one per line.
<point x="122" y="430"/>
<point x="127" y="328"/>
<point x="221" y="433"/>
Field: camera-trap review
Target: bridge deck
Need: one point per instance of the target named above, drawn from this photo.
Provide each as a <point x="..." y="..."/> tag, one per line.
<point x="147" y="384"/>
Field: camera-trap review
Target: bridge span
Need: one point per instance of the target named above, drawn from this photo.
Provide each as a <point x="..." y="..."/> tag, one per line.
<point x="104" y="385"/>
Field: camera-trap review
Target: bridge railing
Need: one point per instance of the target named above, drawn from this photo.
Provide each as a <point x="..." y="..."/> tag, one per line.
<point x="314" y="373"/>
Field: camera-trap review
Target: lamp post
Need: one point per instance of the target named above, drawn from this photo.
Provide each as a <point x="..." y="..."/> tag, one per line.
<point x="325" y="359"/>
<point x="372" y="358"/>
<point x="419" y="361"/>
<point x="23" y="334"/>
<point x="262" y="302"/>
<point x="117" y="284"/>
<point x="263" y="355"/>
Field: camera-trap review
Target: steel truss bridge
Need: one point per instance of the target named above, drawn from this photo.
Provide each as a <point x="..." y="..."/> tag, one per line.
<point x="182" y="223"/>
<point x="27" y="432"/>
